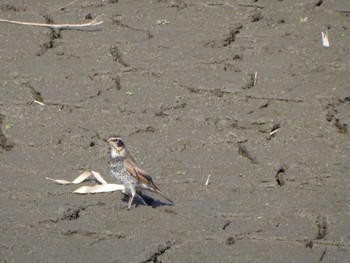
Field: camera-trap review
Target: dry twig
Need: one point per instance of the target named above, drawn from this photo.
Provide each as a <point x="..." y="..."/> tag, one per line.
<point x="255" y="78"/>
<point x="55" y="26"/>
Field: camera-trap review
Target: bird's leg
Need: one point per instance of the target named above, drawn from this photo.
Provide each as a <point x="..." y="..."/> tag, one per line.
<point x="131" y="198"/>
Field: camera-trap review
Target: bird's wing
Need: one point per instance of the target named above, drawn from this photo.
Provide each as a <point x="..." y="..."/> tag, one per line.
<point x="143" y="177"/>
<point x="140" y="174"/>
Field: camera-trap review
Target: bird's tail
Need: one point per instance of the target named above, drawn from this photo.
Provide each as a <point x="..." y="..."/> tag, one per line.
<point x="163" y="195"/>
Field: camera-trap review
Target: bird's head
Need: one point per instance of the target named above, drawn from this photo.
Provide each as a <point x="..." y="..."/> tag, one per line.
<point x="117" y="146"/>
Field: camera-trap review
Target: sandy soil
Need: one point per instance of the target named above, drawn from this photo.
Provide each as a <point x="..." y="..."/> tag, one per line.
<point x="176" y="80"/>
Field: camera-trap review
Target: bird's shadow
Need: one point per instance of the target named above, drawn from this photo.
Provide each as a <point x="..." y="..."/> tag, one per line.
<point x="148" y="199"/>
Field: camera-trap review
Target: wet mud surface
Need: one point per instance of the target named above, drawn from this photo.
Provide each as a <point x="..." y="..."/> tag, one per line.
<point x="242" y="91"/>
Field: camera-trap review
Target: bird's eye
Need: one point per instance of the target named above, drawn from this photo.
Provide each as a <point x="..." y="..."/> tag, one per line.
<point x="120" y="143"/>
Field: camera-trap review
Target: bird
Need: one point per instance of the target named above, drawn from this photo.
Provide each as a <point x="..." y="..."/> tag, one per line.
<point x="124" y="169"/>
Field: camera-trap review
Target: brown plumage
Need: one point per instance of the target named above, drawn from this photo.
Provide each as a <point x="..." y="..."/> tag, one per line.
<point x="125" y="170"/>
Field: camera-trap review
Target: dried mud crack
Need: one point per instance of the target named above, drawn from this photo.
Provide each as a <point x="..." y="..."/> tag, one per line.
<point x="230" y="241"/>
<point x="35" y="94"/>
<point x="331" y="115"/>
<point x="52" y="37"/>
<point x="93" y="234"/>
<point x="177" y="79"/>
<point x="243" y="151"/>
<point x="118" y="22"/>
<point x="251" y="82"/>
<point x="153" y="257"/>
<point x="215" y="92"/>
<point x="117" y="56"/>
<point x="12" y="8"/>
<point x="322" y="228"/>
<point x="97" y="236"/>
<point x="143" y="130"/>
<point x="5" y="143"/>
<point x="228" y="40"/>
<point x="280" y="176"/>
<point x="163" y="109"/>
<point x="71" y="213"/>
<point x="226" y="224"/>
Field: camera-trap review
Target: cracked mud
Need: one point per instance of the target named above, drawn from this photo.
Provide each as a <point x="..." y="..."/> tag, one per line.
<point x="241" y="90"/>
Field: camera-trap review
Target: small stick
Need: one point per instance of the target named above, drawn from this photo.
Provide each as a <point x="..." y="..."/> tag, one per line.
<point x="207" y="182"/>
<point x="273" y="132"/>
<point x="255" y="78"/>
<point x="39" y="102"/>
<point x="56" y="26"/>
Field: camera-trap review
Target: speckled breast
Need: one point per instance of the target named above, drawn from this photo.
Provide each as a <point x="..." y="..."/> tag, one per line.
<point x="119" y="172"/>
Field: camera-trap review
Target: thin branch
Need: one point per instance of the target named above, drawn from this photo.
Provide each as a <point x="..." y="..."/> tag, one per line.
<point x="55" y="26"/>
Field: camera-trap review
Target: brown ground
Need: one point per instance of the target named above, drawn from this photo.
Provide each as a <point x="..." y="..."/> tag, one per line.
<point x="176" y="80"/>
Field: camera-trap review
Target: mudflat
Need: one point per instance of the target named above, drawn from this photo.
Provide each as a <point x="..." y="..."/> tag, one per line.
<point x="242" y="91"/>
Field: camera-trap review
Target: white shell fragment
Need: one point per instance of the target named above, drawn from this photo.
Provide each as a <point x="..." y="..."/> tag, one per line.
<point x="104" y="187"/>
<point x="325" y="40"/>
<point x="207" y="182"/>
